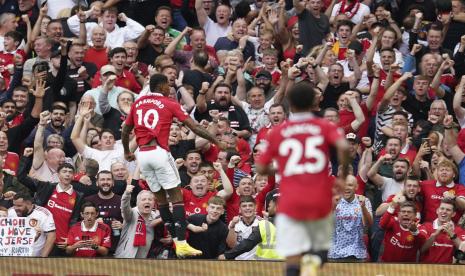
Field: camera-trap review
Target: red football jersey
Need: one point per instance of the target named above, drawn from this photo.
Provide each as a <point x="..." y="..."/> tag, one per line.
<point x="442" y="249"/>
<point x="61" y="206"/>
<point x="101" y="236"/>
<point x="400" y="245"/>
<point x="151" y="116"/>
<point x="232" y="206"/>
<point x="346" y="118"/>
<point x="195" y="205"/>
<point x="262" y="134"/>
<point x="432" y="196"/>
<point x="301" y="148"/>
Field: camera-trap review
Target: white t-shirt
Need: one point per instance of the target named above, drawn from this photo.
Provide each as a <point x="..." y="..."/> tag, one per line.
<point x="214" y="31"/>
<point x="44" y="220"/>
<point x="258" y="118"/>
<point x="390" y="187"/>
<point x="243" y="231"/>
<point x="105" y="157"/>
<point x="55" y="6"/>
<point x="358" y="17"/>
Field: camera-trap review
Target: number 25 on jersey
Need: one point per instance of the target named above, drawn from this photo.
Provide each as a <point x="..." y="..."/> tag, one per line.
<point x="299" y="156"/>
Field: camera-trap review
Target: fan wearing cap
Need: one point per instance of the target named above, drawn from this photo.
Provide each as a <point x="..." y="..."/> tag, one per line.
<point x="263" y="79"/>
<point x="354" y="144"/>
<point x="107" y="87"/>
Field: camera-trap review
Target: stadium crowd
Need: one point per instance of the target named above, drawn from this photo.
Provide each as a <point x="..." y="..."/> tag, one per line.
<point x="390" y="74"/>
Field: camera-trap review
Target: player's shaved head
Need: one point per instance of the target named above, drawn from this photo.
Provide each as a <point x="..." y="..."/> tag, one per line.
<point x="159" y="83"/>
<point x="301" y="96"/>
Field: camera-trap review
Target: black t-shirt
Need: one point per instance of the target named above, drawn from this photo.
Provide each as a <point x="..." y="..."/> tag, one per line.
<point x="184" y="176"/>
<point x="332" y="93"/>
<point x="86" y="190"/>
<point x="236" y="115"/>
<point x="429" y="9"/>
<point x="211" y="242"/>
<point x="312" y="30"/>
<point x="109" y="209"/>
<point x="6" y="203"/>
<point x="148" y="55"/>
<point x="455" y="31"/>
<point x="81" y="85"/>
<point x="120" y="187"/>
<point x="195" y="78"/>
<point x="180" y="150"/>
<point x="419" y="110"/>
<point x="113" y="120"/>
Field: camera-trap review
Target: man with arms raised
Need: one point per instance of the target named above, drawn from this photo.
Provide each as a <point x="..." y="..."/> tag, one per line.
<point x="151" y="116"/>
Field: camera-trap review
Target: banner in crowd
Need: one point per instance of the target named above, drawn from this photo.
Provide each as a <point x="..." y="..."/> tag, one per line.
<point x="17" y="236"/>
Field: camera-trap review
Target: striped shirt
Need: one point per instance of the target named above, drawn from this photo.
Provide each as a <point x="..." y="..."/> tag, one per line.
<point x="385" y="119"/>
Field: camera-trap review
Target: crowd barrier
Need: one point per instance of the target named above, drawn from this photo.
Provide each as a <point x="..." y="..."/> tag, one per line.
<point x="10" y="266"/>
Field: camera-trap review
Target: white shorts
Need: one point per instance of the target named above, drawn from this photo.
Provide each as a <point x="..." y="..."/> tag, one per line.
<point x="158" y="168"/>
<point x="295" y="237"/>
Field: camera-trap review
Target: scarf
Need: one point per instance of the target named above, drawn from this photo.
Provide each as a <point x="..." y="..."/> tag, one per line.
<point x="140" y="237"/>
<point x="351" y="10"/>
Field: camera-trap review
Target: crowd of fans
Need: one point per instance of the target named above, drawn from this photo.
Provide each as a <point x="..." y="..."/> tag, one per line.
<point x="389" y="73"/>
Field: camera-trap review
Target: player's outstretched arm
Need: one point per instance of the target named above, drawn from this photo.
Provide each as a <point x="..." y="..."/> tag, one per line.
<point x="202" y="132"/>
<point x="128" y="155"/>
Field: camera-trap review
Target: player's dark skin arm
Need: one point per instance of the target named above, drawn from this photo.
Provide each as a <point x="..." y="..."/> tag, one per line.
<point x="200" y="131"/>
<point x="126" y="130"/>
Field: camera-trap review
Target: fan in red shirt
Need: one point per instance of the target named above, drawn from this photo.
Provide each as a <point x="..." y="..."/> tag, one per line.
<point x="9" y="160"/>
<point x="89" y="238"/>
<point x="389" y="71"/>
<point x="402" y="240"/>
<point x="97" y="53"/>
<point x="442" y="235"/>
<point x="433" y="191"/>
<point x="276" y="115"/>
<point x="196" y="199"/>
<point x="151" y="117"/>
<point x="11" y="43"/>
<point x="124" y="78"/>
<point x="300" y="146"/>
